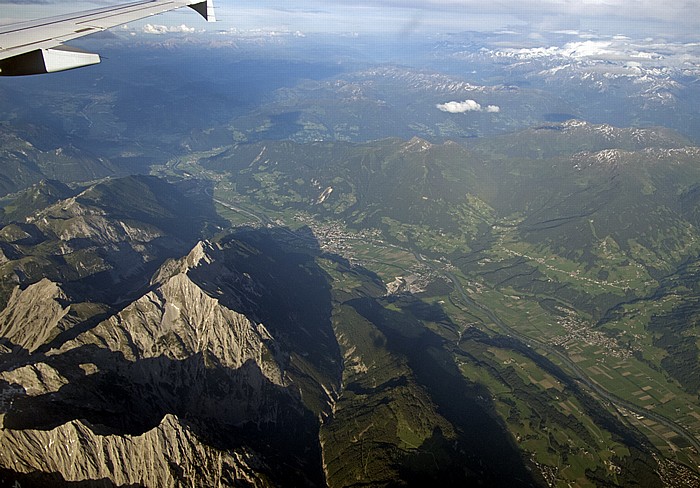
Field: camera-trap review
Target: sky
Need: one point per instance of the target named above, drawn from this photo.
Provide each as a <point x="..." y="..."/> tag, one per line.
<point x="606" y="16"/>
<point x="645" y="17"/>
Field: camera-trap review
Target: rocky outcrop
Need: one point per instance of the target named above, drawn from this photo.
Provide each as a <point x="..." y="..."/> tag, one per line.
<point x="169" y="455"/>
<point x="74" y="219"/>
<point x="35" y="315"/>
<point x="40" y="314"/>
<point x="207" y="266"/>
<point x="177" y="320"/>
<point x="36" y="379"/>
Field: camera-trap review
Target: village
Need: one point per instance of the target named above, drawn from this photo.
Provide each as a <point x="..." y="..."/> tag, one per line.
<point x="579" y="333"/>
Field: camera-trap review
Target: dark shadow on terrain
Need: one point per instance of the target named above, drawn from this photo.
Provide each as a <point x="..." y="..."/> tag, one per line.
<point x="293" y="295"/>
<point x="671" y="327"/>
<point x="591" y="406"/>
<point x="437" y="463"/>
<point x="484" y="453"/>
<point x="284" y="125"/>
<point x="33" y="236"/>
<point x="638" y="465"/>
<point x="357" y="389"/>
<point x="15" y="352"/>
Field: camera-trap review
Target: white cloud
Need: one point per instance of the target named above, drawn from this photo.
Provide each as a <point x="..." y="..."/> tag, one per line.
<point x="466" y="106"/>
<point x="162" y="29"/>
<point x="587" y="49"/>
<point x="460" y="107"/>
<point x="616" y="49"/>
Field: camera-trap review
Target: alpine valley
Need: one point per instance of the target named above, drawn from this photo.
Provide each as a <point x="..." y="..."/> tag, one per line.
<point x="450" y="261"/>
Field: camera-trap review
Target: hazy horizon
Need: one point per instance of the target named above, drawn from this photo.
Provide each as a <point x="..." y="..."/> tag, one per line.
<point x="393" y="17"/>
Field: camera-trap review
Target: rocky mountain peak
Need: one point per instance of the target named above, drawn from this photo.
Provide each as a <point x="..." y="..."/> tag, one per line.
<point x="417" y="144"/>
<point x="178" y="320"/>
<point x="203" y="253"/>
<point x="631" y="137"/>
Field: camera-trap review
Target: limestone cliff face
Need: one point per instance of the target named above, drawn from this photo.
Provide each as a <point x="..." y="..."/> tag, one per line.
<point x="206" y="266"/>
<point x="73" y="218"/>
<point x="35" y="315"/>
<point x="36" y="379"/>
<point x="170" y="455"/>
<point x="39" y="314"/>
<point x="178" y="320"/>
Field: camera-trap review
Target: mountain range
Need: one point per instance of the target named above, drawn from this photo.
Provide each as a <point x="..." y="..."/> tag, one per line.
<point x="476" y="264"/>
<point x="137" y="322"/>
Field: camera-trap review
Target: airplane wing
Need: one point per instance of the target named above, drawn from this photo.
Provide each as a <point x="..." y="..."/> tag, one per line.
<point x="36" y="46"/>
